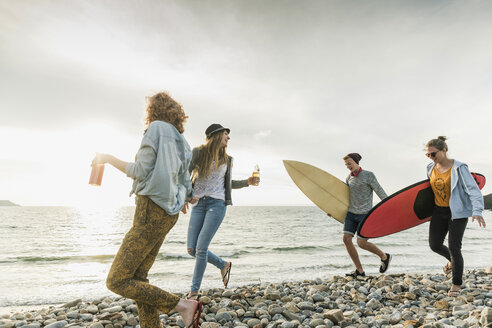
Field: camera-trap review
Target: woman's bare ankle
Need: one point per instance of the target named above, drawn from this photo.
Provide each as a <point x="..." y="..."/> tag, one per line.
<point x="186" y="309"/>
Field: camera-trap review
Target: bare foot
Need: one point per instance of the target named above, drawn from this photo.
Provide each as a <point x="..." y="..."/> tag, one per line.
<point x="188" y="309"/>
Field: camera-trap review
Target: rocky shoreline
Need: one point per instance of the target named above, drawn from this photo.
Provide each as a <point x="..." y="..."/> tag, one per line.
<point x="394" y="300"/>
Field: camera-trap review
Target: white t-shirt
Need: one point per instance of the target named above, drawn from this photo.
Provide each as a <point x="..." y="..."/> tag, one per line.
<point x="212" y="185"/>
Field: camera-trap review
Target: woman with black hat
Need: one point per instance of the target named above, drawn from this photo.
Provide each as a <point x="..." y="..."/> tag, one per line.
<point x="211" y="173"/>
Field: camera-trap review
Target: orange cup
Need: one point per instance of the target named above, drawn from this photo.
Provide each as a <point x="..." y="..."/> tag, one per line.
<point x="96" y="174"/>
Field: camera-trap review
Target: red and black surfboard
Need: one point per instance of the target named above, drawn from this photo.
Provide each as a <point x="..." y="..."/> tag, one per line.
<point x="403" y="210"/>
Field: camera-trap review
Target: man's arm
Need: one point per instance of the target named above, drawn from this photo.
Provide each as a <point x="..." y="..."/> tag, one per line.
<point x="377" y="187"/>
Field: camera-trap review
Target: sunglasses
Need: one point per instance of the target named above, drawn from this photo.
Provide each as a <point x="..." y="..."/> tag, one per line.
<point x="433" y="154"/>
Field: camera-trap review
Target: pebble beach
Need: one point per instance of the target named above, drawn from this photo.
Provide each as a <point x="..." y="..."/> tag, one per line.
<point x="393" y="300"/>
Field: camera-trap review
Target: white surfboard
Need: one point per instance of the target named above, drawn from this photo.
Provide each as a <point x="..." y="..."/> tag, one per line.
<point x="329" y="193"/>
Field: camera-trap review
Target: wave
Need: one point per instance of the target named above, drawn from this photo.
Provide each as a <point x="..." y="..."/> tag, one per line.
<point x="318" y="267"/>
<point x="79" y="282"/>
<point x="41" y="259"/>
<point x="255" y="247"/>
<point x="238" y="254"/>
<point x="298" y="248"/>
<point x="185" y="256"/>
<point x="174" y="257"/>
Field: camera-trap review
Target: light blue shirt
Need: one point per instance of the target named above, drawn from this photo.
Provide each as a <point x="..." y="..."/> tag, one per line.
<point x="466" y="198"/>
<point x="160" y="170"/>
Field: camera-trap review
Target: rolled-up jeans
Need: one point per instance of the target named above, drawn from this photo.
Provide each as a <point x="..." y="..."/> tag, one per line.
<point x="206" y="217"/>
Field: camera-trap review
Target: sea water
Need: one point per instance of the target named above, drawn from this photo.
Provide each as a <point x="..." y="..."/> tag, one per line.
<point x="52" y="255"/>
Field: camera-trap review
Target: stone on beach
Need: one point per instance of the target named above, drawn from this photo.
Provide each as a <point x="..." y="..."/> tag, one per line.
<point x="334" y="315"/>
<point x="486" y="317"/>
<point x="397" y="300"/>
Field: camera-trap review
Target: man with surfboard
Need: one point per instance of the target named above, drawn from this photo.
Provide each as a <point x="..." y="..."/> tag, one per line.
<point x="361" y="185"/>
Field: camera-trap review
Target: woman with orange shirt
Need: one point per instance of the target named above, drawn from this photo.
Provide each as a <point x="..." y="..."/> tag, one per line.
<point x="457" y="197"/>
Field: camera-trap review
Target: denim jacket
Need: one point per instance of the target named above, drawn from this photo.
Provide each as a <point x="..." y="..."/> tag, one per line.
<point x="229" y="183"/>
<point x="466" y="198"/>
<point x="160" y="170"/>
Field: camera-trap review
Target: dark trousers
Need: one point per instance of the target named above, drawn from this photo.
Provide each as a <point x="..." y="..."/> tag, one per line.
<point x="440" y="225"/>
<point x="128" y="274"/>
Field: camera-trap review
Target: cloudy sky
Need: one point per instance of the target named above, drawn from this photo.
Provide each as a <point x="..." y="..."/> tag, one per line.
<point x="302" y="80"/>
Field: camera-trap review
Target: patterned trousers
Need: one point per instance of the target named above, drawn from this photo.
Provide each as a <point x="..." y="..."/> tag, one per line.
<point x="128" y="274"/>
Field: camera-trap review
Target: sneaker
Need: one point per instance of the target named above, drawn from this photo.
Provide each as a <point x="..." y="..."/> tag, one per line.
<point x="385" y="263"/>
<point x="355" y="274"/>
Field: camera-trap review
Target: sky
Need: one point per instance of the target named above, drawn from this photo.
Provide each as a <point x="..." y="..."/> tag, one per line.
<point x="301" y="80"/>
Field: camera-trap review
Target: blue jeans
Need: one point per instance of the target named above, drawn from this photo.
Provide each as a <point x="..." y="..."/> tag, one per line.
<point x="206" y="217"/>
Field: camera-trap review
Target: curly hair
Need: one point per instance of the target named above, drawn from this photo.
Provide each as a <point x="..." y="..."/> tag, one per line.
<point x="161" y="107"/>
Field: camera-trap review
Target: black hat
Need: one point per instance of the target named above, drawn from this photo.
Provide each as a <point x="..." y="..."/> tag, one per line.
<point x="356" y="157"/>
<point x="215" y="128"/>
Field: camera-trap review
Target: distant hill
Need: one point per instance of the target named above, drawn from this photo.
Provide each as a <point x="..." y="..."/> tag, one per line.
<point x="488" y="201"/>
<point x="7" y="203"/>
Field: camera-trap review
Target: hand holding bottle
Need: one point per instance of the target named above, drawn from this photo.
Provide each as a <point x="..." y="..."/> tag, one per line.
<point x="96" y="172"/>
<point x="255" y="177"/>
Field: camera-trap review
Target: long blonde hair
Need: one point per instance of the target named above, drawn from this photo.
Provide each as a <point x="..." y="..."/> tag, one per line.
<point x="211" y="151"/>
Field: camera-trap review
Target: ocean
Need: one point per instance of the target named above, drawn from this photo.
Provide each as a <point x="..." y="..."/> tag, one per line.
<point x="52" y="255"/>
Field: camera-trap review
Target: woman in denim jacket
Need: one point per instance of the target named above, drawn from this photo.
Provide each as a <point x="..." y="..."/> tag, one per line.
<point x="211" y="172"/>
<point x="456" y="197"/>
<point x="162" y="185"/>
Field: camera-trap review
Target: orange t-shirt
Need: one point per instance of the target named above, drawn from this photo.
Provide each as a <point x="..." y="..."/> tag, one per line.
<point x="441" y="186"/>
